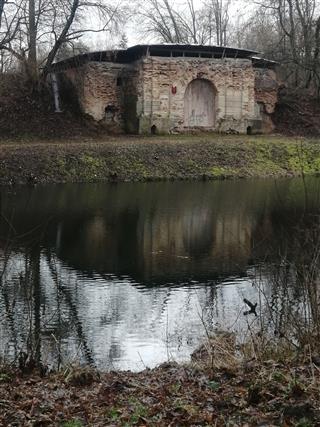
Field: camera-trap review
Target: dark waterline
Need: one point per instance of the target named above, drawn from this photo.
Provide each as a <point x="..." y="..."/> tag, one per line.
<point x="125" y="275"/>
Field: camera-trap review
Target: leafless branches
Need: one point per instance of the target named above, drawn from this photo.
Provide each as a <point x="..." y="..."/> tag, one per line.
<point x="288" y="31"/>
<point x="33" y="29"/>
<point x="170" y="23"/>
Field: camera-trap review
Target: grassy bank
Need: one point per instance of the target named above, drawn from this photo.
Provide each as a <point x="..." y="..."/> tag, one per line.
<point x="126" y="158"/>
<point x="216" y="389"/>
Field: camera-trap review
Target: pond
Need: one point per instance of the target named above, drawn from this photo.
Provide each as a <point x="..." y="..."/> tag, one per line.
<point x="124" y="276"/>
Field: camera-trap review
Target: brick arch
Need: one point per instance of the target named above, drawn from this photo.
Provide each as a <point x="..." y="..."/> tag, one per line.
<point x="200" y="104"/>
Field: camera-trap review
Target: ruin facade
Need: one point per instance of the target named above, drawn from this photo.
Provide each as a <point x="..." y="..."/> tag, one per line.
<point x="174" y="88"/>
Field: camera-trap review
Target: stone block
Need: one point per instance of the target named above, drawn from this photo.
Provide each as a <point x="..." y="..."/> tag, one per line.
<point x="176" y="94"/>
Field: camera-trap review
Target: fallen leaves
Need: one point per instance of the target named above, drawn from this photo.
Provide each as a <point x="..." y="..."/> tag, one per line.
<point x="170" y="395"/>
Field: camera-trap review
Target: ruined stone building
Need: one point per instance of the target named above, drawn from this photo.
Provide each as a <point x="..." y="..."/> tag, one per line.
<point x="173" y="88"/>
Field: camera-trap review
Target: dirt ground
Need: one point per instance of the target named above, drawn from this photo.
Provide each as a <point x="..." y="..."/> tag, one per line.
<point x="298" y="115"/>
<point x="273" y="393"/>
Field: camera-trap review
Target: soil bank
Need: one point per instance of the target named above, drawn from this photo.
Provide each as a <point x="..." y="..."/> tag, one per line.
<point x="133" y="158"/>
<point x="282" y="393"/>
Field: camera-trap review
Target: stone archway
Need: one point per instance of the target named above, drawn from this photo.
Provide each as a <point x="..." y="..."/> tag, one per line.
<point x="199" y="104"/>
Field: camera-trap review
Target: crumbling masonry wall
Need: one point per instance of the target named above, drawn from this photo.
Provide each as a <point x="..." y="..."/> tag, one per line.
<point x="164" y="83"/>
<point x="99" y="89"/>
<point x="149" y="94"/>
<point x="266" y="94"/>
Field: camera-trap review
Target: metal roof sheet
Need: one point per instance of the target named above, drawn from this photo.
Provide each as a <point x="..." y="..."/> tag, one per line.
<point x="164" y="50"/>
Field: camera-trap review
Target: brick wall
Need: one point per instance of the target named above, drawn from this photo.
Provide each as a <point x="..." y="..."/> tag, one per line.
<point x="99" y="89"/>
<point x="232" y="79"/>
<point x="158" y="93"/>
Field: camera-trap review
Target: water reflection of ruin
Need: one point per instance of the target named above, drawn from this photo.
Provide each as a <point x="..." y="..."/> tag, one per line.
<point x="94" y="248"/>
<point x="155" y="232"/>
<point x="166" y="233"/>
<point x="197" y="243"/>
<point x="158" y="236"/>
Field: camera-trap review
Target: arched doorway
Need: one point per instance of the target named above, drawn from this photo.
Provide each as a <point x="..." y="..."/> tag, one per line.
<point x="199" y="104"/>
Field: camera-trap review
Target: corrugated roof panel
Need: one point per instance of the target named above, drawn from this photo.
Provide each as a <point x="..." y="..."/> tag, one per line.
<point x="165" y="50"/>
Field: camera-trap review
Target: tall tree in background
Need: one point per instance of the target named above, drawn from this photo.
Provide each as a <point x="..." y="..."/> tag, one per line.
<point x="220" y="14"/>
<point x="32" y="40"/>
<point x="35" y="31"/>
<point x="10" y="20"/>
<point x="169" y="23"/>
<point x="289" y="32"/>
<point x="31" y="27"/>
<point x="158" y="18"/>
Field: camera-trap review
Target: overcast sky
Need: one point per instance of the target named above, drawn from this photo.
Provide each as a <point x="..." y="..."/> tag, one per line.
<point x="103" y="41"/>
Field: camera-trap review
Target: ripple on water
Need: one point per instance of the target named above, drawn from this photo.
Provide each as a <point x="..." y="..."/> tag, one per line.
<point x="129" y="274"/>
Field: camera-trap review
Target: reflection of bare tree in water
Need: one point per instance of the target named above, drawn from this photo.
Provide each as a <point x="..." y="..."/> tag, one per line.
<point x="9" y="307"/>
<point x="34" y="284"/>
<point x="211" y="303"/>
<point x="291" y="288"/>
<point x="67" y="295"/>
<point x="172" y="236"/>
<point x="308" y="274"/>
<point x="27" y="339"/>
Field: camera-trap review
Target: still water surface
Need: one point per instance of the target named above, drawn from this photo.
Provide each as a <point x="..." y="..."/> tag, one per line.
<point x="124" y="276"/>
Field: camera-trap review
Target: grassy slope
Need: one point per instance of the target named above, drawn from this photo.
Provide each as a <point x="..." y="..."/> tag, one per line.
<point x="128" y="158"/>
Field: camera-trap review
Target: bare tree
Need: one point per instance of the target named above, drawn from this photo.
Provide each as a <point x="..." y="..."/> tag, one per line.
<point x="187" y="23"/>
<point x="289" y="32"/>
<point x="196" y="24"/>
<point x="28" y="27"/>
<point x="160" y="19"/>
<point x="32" y="39"/>
<point x="10" y="20"/>
<point x="219" y="10"/>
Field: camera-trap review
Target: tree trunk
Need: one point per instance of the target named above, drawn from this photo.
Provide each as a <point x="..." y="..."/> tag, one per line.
<point x="62" y="38"/>
<point x="32" y="57"/>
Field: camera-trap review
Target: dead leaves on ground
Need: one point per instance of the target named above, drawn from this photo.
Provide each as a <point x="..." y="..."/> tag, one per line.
<point x="170" y="395"/>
